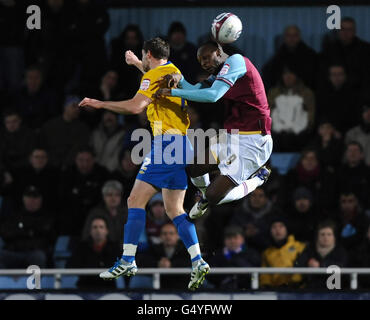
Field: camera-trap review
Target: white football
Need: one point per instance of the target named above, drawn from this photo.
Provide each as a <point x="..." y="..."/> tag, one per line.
<point x="226" y="28"/>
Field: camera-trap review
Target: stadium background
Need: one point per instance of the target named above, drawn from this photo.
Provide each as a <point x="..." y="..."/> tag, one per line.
<point x="264" y="24"/>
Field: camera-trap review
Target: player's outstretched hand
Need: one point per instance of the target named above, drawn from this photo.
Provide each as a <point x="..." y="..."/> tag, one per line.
<point x="162" y="92"/>
<point x="168" y="81"/>
<point x="87" y="102"/>
<point x="131" y="58"/>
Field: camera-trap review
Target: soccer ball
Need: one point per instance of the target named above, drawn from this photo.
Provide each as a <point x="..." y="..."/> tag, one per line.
<point x="226" y="28"/>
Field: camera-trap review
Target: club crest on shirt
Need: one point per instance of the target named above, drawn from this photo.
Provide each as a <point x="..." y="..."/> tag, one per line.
<point x="224" y="70"/>
<point x="145" y="84"/>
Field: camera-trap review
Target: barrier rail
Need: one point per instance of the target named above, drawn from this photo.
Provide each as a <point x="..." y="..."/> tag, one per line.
<point x="156" y="272"/>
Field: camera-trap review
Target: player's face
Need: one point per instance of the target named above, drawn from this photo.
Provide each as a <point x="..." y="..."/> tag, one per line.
<point x="209" y="59"/>
<point x="145" y="61"/>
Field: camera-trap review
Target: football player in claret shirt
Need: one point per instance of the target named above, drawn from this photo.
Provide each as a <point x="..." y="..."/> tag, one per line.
<point x="237" y="81"/>
<point x="169" y="122"/>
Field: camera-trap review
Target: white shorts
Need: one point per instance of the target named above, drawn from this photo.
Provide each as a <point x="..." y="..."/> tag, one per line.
<point x="241" y="155"/>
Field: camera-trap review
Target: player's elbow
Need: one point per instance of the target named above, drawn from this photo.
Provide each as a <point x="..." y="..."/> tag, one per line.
<point x="211" y="97"/>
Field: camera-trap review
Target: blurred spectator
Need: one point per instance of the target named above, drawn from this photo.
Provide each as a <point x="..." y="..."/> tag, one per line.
<point x="112" y="209"/>
<point x="195" y="122"/>
<point x="292" y="111"/>
<point x="16" y="140"/>
<point x="132" y="39"/>
<point x="350" y="51"/>
<point x="253" y="216"/>
<point x="169" y="253"/>
<point x="354" y="174"/>
<point x="126" y="172"/>
<point x="106" y="141"/>
<point x="97" y="251"/>
<point x="65" y="134"/>
<point x="39" y="173"/>
<point x="337" y="101"/>
<point x="361" y="133"/>
<point x="85" y="30"/>
<point x="29" y="234"/>
<point x="318" y="179"/>
<point x="360" y="258"/>
<point x="80" y="189"/>
<point x="12" y="17"/>
<point x="302" y="218"/>
<point x="35" y="102"/>
<point x="235" y="254"/>
<point x="156" y="218"/>
<point x="351" y="220"/>
<point x="322" y="253"/>
<point x="48" y="47"/>
<point x="281" y="254"/>
<point x="328" y="144"/>
<point x="183" y="53"/>
<point x="107" y="90"/>
<point x="291" y="53"/>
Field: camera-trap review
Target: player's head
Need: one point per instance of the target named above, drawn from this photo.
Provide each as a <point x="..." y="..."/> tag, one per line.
<point x="211" y="56"/>
<point x="154" y="49"/>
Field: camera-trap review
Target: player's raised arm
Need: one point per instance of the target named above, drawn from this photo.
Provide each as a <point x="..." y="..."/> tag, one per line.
<point x="233" y="69"/>
<point x="133" y="60"/>
<point x="132" y="106"/>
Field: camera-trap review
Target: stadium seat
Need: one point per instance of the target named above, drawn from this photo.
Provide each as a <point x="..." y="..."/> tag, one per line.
<point x="284" y="161"/>
<point x="141" y="282"/>
<point x="62" y="250"/>
<point x="120" y="283"/>
<point x="8" y="282"/>
<point x="47" y="282"/>
<point x="69" y="282"/>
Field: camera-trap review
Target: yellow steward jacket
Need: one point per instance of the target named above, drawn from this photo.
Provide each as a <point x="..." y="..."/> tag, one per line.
<point x="283" y="257"/>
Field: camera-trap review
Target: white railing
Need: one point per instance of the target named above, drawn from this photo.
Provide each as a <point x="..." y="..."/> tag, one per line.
<point x="157" y="272"/>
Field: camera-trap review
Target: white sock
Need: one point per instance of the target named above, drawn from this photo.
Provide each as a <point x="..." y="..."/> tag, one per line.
<point x="201" y="182"/>
<point x="242" y="190"/>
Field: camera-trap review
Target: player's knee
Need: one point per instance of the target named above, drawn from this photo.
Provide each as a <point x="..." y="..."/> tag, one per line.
<point x="132" y="201"/>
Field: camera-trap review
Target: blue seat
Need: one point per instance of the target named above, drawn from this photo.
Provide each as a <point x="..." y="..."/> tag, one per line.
<point x="120" y="283"/>
<point x="69" y="282"/>
<point x="62" y="251"/>
<point x="143" y="282"/>
<point x="47" y="282"/>
<point x="284" y="161"/>
<point x="8" y="282"/>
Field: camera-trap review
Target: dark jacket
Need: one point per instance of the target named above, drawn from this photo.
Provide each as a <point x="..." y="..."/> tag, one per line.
<point x="85" y="256"/>
<point x="338" y="256"/>
<point x="180" y="259"/>
<point x="15" y="147"/>
<point x="79" y="194"/>
<point x="25" y="231"/>
<point x="247" y="258"/>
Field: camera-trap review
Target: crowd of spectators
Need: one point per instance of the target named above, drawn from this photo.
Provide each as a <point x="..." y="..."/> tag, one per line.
<point x="68" y="171"/>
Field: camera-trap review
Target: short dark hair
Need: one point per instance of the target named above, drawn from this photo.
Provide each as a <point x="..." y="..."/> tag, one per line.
<point x="176" y="26"/>
<point x="348" y="19"/>
<point x="159" y="48"/>
<point x="210" y="43"/>
<point x="86" y="149"/>
<point x="326" y="224"/>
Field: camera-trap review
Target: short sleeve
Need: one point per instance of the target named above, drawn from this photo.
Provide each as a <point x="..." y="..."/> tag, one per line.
<point x="233" y="69"/>
<point x="147" y="85"/>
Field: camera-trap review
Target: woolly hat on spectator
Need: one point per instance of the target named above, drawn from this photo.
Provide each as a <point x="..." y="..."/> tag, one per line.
<point x="32" y="191"/>
<point x="71" y="100"/>
<point x="156" y="198"/>
<point x="302" y="193"/>
<point x="112" y="185"/>
<point x="279" y="218"/>
<point x="231" y="231"/>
